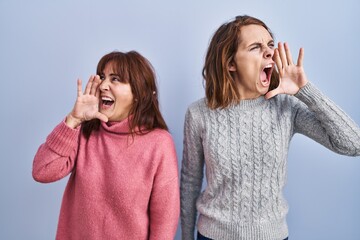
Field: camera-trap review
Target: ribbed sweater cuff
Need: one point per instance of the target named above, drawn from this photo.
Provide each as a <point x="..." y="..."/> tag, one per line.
<point x="310" y="95"/>
<point x="63" y="139"/>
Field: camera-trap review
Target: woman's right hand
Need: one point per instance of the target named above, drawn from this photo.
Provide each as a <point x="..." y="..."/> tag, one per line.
<point x="292" y="76"/>
<point x="87" y="104"/>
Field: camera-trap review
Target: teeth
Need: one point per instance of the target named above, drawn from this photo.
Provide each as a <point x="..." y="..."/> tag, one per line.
<point x="106" y="99"/>
<point x="268" y="66"/>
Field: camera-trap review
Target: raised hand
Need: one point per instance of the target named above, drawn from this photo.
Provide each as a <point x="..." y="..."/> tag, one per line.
<point x="292" y="77"/>
<point x="87" y="104"/>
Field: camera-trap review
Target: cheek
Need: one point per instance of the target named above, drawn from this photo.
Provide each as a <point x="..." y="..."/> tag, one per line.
<point x="247" y="65"/>
<point x="247" y="72"/>
<point x="124" y="94"/>
<point x="129" y="94"/>
<point x="127" y="98"/>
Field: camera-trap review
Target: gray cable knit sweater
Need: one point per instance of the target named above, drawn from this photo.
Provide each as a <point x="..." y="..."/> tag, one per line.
<point x="244" y="148"/>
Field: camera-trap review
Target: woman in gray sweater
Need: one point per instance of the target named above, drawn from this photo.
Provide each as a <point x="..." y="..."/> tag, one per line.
<point x="241" y="132"/>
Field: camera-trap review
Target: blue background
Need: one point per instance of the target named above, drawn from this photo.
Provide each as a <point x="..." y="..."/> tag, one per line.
<point x="46" y="45"/>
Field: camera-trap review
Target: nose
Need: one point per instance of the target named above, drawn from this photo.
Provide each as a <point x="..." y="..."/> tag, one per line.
<point x="269" y="52"/>
<point x="104" y="85"/>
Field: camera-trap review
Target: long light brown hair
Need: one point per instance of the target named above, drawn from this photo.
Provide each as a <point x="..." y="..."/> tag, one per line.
<point x="220" y="87"/>
<point x="139" y="73"/>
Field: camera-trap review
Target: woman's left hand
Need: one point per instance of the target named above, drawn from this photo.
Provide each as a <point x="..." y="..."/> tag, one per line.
<point x="292" y="77"/>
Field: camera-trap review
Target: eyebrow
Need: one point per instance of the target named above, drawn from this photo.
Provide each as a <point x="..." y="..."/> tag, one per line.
<point x="114" y="74"/>
<point x="259" y="43"/>
<point x="111" y="74"/>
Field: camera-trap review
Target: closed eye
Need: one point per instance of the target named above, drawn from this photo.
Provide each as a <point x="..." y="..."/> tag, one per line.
<point x="117" y="79"/>
<point x="255" y="46"/>
<point x="271" y="45"/>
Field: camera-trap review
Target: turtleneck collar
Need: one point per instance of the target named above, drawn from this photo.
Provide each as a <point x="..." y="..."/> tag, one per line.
<point x="117" y="127"/>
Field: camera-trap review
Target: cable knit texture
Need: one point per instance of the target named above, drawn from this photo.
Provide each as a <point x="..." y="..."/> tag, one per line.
<point x="244" y="148"/>
<point x="119" y="188"/>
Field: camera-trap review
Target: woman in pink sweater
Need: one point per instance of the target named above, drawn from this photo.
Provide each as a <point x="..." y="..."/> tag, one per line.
<point x="122" y="159"/>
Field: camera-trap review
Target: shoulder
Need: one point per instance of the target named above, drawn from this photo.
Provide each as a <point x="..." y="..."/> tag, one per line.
<point x="285" y="104"/>
<point x="161" y="145"/>
<point x="196" y="116"/>
<point x="160" y="137"/>
<point x="280" y="99"/>
<point x="196" y="109"/>
<point x="197" y="105"/>
<point x="157" y="144"/>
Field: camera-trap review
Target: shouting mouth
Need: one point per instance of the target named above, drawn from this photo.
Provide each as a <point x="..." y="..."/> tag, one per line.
<point x="106" y="102"/>
<point x="265" y="74"/>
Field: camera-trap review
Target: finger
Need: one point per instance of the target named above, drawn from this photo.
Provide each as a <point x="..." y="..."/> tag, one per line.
<point x="277" y="60"/>
<point x="79" y="87"/>
<point x="282" y="54"/>
<point x="97" y="94"/>
<point x="288" y="53"/>
<point x="95" y="85"/>
<point x="89" y="85"/>
<point x="273" y="93"/>
<point x="101" y="117"/>
<point x="300" y="57"/>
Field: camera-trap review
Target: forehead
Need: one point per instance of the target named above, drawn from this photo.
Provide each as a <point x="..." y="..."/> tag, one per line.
<point x="254" y="33"/>
<point x="114" y="67"/>
<point x="110" y="68"/>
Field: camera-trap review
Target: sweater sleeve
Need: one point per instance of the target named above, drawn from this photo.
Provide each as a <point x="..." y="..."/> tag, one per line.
<point x="191" y="172"/>
<point x="56" y="157"/>
<point x="320" y="119"/>
<point x="164" y="205"/>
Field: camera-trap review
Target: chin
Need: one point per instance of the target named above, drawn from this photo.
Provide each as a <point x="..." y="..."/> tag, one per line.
<point x="264" y="91"/>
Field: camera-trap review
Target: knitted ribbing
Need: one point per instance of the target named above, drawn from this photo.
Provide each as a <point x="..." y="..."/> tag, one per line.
<point x="245" y="148"/>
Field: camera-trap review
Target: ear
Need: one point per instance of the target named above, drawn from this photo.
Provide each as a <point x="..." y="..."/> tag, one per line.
<point x="232" y="66"/>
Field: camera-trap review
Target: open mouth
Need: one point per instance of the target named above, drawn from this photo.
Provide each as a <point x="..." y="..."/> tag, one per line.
<point x="265" y="75"/>
<point x="106" y="101"/>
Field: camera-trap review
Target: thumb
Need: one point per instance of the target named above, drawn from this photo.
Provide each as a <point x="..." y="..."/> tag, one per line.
<point x="101" y="117"/>
<point x="273" y="93"/>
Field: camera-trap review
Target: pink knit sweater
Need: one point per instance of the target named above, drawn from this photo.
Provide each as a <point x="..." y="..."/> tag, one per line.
<point x="119" y="188"/>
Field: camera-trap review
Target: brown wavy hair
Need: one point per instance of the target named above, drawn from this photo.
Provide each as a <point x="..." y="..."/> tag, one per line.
<point x="220" y="87"/>
<point x="138" y="71"/>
